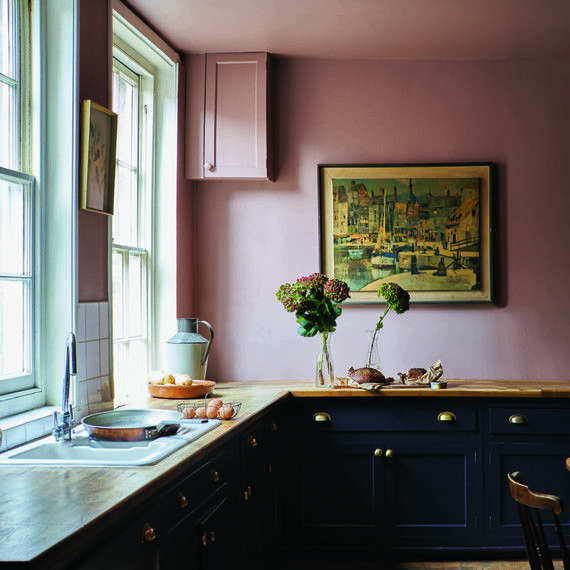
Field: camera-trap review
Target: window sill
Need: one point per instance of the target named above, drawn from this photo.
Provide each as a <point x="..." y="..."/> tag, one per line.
<point x="25" y="427"/>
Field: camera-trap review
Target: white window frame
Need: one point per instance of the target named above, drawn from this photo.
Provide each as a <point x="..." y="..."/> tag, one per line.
<point x="133" y="37"/>
<point x="141" y="74"/>
<point x="49" y="154"/>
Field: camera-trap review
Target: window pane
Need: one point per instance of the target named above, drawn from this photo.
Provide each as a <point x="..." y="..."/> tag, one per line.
<point x="7" y="132"/>
<point x="118" y="295"/>
<point x="7" y="59"/>
<point x="13" y="345"/>
<point x="125" y="226"/>
<point x="136" y="304"/>
<point x="12" y="227"/>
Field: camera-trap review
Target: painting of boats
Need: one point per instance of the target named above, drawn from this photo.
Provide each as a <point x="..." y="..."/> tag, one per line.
<point x="428" y="233"/>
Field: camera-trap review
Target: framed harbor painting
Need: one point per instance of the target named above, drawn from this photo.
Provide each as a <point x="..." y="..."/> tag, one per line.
<point x="426" y="227"/>
<point x="98" y="153"/>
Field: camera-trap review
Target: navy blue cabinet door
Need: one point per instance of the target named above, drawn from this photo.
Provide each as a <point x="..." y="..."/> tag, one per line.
<point x="430" y="490"/>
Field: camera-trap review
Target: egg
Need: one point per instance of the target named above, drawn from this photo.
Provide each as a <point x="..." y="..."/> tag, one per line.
<point x="189" y="413"/>
<point x="216" y="403"/>
<point x="201" y="412"/>
<point x="212" y="412"/>
<point x="226" y="412"/>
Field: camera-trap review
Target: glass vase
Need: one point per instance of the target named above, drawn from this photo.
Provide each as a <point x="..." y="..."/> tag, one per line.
<point x="372" y="355"/>
<point x="324" y="377"/>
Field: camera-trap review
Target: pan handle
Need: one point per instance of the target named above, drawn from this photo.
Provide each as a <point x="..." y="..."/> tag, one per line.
<point x="163" y="428"/>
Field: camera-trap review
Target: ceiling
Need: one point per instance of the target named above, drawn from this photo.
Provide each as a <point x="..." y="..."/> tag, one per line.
<point x="365" y="29"/>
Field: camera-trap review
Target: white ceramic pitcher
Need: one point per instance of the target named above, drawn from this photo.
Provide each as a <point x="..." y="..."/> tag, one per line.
<point x="188" y="351"/>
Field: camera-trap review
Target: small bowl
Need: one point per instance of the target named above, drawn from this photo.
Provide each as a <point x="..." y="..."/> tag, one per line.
<point x="228" y="411"/>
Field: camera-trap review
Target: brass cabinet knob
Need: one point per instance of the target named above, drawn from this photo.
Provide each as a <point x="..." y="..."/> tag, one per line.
<point x="518" y="419"/>
<point x="214" y="476"/>
<point x="378" y="452"/>
<point x="148" y="534"/>
<point x="212" y="536"/>
<point x="449" y="417"/>
<point x="204" y="538"/>
<point x="321" y="417"/>
<point x="252" y="442"/>
<point x="273" y="426"/>
<point x="389" y="453"/>
<point x="181" y="501"/>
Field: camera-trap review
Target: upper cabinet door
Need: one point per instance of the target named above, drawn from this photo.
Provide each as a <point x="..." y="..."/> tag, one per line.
<point x="236" y="126"/>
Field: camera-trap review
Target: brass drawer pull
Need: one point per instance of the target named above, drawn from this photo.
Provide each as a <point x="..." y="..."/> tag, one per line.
<point x="449" y="417"/>
<point x="181" y="501"/>
<point x="214" y="476"/>
<point x="518" y="419"/>
<point x="321" y="417"/>
<point x="252" y="442"/>
<point x="378" y="452"/>
<point x="148" y="534"/>
<point x="389" y="453"/>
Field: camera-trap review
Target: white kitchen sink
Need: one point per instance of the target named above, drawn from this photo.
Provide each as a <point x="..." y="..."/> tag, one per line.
<point x="84" y="451"/>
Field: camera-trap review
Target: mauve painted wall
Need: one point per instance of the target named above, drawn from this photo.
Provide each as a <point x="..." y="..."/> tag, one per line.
<point x="253" y="236"/>
<point x="92" y="230"/>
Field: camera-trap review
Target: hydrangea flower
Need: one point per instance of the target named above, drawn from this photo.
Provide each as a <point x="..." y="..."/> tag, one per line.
<point x="314" y="299"/>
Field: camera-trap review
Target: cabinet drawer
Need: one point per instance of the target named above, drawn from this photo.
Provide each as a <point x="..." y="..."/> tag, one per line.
<point x="186" y="496"/>
<point x="529" y="421"/>
<point x="446" y="417"/>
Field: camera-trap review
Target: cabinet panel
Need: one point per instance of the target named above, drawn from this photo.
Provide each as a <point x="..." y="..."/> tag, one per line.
<point x="431" y="492"/>
<point x="133" y="544"/>
<point x="518" y="420"/>
<point x="445" y="417"/>
<point x="228" y="126"/>
<point x="416" y="479"/>
<point x="337" y="487"/>
<point x="543" y="468"/>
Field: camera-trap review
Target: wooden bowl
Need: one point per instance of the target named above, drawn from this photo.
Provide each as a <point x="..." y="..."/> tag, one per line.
<point x="173" y="391"/>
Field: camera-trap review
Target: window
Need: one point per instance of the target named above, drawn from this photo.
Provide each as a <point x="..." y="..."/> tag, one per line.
<point x="37" y="198"/>
<point x="133" y="101"/>
<point x="17" y="229"/>
<point x="143" y="250"/>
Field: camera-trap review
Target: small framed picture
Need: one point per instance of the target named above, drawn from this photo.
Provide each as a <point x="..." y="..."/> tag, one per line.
<point x="426" y="227"/>
<point x="98" y="153"/>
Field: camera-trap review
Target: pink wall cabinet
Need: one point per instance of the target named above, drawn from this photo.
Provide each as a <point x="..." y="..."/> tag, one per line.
<point x="228" y="119"/>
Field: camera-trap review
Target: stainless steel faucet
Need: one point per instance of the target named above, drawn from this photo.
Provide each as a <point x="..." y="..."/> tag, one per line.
<point x="62" y="426"/>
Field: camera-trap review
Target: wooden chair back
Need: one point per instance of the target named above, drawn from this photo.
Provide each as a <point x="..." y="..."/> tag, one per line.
<point x="529" y="505"/>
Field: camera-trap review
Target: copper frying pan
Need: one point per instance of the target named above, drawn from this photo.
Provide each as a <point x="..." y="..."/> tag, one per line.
<point x="132" y="425"/>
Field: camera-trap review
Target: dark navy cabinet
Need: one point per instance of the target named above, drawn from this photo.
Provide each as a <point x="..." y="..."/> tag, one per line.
<point x="532" y="437"/>
<point x="423" y="474"/>
<point x="388" y="474"/>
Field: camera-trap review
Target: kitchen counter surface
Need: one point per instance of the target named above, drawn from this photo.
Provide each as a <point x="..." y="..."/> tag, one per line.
<point x="47" y="512"/>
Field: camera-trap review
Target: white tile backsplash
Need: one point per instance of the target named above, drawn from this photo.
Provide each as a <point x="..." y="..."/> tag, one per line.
<point x="92" y="331"/>
<point x="93" y="360"/>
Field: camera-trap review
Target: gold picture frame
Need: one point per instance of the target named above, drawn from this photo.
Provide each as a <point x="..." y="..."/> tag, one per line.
<point x="424" y="226"/>
<point x="98" y="154"/>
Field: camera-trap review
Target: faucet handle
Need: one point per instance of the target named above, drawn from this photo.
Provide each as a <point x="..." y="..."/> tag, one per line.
<point x="57" y="432"/>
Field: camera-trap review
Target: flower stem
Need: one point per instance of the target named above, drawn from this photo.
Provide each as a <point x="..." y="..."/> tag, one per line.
<point x="378" y="327"/>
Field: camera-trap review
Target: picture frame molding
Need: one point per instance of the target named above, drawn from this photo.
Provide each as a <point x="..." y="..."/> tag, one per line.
<point x="327" y="173"/>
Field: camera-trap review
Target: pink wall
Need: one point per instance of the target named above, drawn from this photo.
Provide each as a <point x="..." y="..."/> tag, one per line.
<point x="93" y="84"/>
<point x="253" y="236"/>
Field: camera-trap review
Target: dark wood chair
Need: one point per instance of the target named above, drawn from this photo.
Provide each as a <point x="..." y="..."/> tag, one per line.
<point x="529" y="505"/>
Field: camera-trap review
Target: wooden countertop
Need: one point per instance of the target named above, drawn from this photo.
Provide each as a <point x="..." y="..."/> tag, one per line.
<point x="47" y="512"/>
